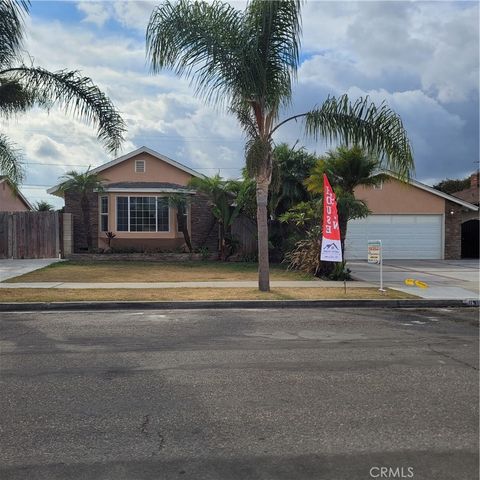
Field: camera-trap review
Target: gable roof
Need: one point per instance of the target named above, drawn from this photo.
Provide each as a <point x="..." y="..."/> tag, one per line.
<point x="151" y="152"/>
<point x="136" y="152"/>
<point x="432" y="190"/>
<point x="18" y="193"/>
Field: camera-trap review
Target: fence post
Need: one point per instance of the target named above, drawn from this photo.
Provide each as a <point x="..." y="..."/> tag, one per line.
<point x="67" y="234"/>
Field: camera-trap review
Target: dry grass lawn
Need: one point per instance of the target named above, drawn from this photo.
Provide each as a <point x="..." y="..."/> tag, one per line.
<point x="153" y="272"/>
<point x="185" y="294"/>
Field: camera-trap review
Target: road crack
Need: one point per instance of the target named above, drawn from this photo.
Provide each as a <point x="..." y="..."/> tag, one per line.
<point x="446" y="355"/>
<point x="143" y="428"/>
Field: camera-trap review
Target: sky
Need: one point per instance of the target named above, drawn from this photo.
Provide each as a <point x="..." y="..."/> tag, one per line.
<point x="421" y="58"/>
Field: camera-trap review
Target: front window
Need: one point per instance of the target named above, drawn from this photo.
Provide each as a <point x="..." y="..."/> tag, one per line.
<point x="143" y="214"/>
<point x="104" y="214"/>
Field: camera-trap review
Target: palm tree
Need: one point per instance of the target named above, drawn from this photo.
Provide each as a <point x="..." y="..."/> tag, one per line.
<point x="24" y="86"/>
<point x="346" y="169"/>
<point x="247" y="61"/>
<point x="43" y="206"/>
<point x="290" y="168"/>
<point x="82" y="184"/>
<point x="226" y="198"/>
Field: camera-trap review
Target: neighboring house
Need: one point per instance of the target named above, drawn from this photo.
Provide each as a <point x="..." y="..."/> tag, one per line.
<point x="414" y="221"/>
<point x="470" y="226"/>
<point x="134" y="205"/>
<point x="11" y="199"/>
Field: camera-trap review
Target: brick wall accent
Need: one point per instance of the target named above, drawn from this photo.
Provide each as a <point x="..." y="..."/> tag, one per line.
<point x="455" y="215"/>
<point x="73" y="206"/>
<point x="204" y="227"/>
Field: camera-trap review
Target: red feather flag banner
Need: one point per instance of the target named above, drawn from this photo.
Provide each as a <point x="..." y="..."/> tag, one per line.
<point x="331" y="250"/>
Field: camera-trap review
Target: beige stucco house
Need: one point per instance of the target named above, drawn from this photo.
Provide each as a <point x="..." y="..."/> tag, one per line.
<point x="134" y="205"/>
<point x="12" y="200"/>
<point x="413" y="220"/>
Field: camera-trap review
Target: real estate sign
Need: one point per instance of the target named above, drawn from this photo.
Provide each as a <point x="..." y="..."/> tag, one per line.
<point x="374" y="251"/>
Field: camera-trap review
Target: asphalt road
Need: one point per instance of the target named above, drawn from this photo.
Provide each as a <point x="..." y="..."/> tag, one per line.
<point x="241" y="394"/>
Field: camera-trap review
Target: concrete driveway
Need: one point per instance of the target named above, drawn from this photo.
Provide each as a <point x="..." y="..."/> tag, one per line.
<point x="446" y="279"/>
<point x="13" y="268"/>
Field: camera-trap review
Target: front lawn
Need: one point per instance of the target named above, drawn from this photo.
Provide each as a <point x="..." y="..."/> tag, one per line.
<point x="191" y="271"/>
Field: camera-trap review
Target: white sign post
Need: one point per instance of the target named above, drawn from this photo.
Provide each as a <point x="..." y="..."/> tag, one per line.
<point x="375" y="256"/>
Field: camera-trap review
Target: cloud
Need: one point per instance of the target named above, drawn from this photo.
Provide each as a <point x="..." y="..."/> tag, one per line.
<point x="434" y="42"/>
<point x="130" y="14"/>
<point x="421" y="57"/>
<point x="95" y="12"/>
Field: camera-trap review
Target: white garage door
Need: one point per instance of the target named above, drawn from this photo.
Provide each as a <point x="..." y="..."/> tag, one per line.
<point x="403" y="236"/>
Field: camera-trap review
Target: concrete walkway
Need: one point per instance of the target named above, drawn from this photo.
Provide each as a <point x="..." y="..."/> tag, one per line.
<point x="10" y="268"/>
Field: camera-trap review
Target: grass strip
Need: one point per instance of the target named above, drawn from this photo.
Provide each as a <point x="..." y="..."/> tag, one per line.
<point x="183" y="294"/>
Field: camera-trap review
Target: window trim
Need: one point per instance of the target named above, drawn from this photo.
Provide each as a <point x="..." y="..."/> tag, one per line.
<point x="104" y="214"/>
<point x="156" y="197"/>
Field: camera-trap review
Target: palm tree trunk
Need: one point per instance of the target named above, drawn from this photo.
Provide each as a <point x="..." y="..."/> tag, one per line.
<point x="182" y="226"/>
<point x="262" y="229"/>
<point x="221" y="252"/>
<point x="85" y="204"/>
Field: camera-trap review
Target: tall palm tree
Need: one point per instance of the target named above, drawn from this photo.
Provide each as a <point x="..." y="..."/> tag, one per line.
<point x="23" y="86"/>
<point x="82" y="184"/>
<point x="346" y="169"/>
<point x="247" y="61"/>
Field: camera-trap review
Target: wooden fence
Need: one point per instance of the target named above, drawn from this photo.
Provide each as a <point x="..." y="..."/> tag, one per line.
<point x="32" y="234"/>
<point x="245" y="231"/>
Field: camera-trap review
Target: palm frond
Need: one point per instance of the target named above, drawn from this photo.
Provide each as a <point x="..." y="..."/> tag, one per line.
<point x="245" y="117"/>
<point x="200" y="41"/>
<point x="10" y="161"/>
<point x="81" y="182"/>
<point x="377" y="129"/>
<point x="11" y="29"/>
<point x="75" y="94"/>
<point x="274" y="29"/>
<point x="14" y="98"/>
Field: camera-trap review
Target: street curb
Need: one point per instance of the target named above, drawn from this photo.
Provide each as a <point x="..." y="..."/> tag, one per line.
<point x="215" y="304"/>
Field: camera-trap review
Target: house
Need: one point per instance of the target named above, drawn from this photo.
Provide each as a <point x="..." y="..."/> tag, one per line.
<point x="11" y="199"/>
<point x="414" y="221"/>
<point x="134" y="205"/>
<point x="469" y="228"/>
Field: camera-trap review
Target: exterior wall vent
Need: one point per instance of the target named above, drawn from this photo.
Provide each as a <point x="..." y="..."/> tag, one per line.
<point x="139" y="166"/>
